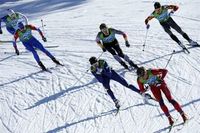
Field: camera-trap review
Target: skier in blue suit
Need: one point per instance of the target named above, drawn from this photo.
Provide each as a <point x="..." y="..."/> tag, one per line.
<point x="24" y="33"/>
<point x="11" y="20"/>
<point x="103" y="73"/>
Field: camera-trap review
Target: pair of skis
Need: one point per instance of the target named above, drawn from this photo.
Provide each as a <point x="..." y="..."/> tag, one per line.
<point x="49" y="69"/>
<point x="179" y="124"/>
<point x="186" y="50"/>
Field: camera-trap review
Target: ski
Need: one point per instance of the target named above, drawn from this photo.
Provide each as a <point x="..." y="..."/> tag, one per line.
<point x="26" y="51"/>
<point x="172" y="126"/>
<point x="47" y="70"/>
<point x="184" y="123"/>
<point x="116" y="111"/>
<point x="185" y="50"/>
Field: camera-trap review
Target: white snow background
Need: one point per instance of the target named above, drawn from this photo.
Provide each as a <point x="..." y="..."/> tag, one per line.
<point x="32" y="101"/>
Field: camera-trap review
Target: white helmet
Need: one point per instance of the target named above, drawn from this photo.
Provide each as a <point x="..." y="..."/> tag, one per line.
<point x="11" y="13"/>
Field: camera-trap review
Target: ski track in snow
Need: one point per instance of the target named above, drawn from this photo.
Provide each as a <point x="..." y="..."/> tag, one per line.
<point x="69" y="99"/>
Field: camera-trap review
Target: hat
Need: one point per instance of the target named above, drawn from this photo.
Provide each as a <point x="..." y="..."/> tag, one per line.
<point x="92" y="60"/>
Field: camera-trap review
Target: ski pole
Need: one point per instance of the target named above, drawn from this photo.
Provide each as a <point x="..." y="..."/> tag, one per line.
<point x="145" y="39"/>
<point x="187" y="18"/>
<point x="169" y="59"/>
<point x="86" y="71"/>
<point x="43" y="26"/>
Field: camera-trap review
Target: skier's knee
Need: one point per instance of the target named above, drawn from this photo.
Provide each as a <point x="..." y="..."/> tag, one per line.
<point x="172" y="101"/>
<point x="161" y="102"/>
<point x="121" y="54"/>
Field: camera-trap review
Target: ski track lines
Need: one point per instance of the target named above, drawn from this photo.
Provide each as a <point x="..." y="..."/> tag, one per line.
<point x="38" y="102"/>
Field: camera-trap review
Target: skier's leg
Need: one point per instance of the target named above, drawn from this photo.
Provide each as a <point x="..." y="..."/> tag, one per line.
<point x="38" y="45"/>
<point x="124" y="56"/>
<point x="167" y="29"/>
<point x="168" y="95"/>
<point x="157" y="94"/>
<point x="106" y="85"/>
<point x="29" y="47"/>
<point x="175" y="26"/>
<point x="116" y="57"/>
<point x="176" y="105"/>
<point x="122" y="81"/>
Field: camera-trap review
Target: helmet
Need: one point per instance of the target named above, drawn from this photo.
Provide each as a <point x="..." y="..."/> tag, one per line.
<point x="12" y="14"/>
<point x="157" y="5"/>
<point x="21" y="25"/>
<point x="141" y="71"/>
<point x="102" y="26"/>
<point x="92" y="60"/>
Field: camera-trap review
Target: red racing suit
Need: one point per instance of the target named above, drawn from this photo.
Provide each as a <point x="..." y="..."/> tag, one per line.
<point x="155" y="80"/>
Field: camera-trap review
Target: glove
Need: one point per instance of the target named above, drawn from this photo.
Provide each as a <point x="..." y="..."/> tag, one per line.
<point x="104" y="50"/>
<point x="147" y="26"/>
<point x="1" y="31"/>
<point x="17" y="51"/>
<point x="44" y="39"/>
<point x="127" y="44"/>
<point x="171" y="13"/>
<point x="146" y="87"/>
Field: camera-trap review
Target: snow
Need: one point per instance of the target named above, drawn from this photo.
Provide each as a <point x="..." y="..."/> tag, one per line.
<point x="69" y="99"/>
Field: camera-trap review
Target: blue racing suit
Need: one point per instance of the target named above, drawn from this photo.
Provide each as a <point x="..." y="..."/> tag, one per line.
<point x="30" y="42"/>
<point x="11" y="22"/>
<point x="103" y="73"/>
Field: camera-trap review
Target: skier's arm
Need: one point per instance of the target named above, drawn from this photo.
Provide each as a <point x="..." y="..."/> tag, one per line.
<point x="141" y="86"/>
<point x="98" y="41"/>
<point x="161" y="72"/>
<point x="173" y="7"/>
<point x="15" y="42"/>
<point x="148" y="19"/>
<point x="37" y="29"/>
<point x="120" y="33"/>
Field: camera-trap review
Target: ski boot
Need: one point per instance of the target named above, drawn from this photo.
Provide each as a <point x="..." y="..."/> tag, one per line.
<point x="171" y="122"/>
<point x="124" y="65"/>
<point x="116" y="101"/>
<point x="193" y="43"/>
<point x="184" y="117"/>
<point x="133" y="65"/>
<point x="42" y="66"/>
<point x="56" y="61"/>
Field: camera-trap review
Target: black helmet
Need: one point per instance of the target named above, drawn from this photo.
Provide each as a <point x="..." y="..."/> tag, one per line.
<point x="92" y="60"/>
<point x="157" y="5"/>
<point x="102" y="26"/>
<point x="141" y="71"/>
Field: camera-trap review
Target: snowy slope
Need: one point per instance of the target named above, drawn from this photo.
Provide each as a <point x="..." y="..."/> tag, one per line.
<point x="32" y="101"/>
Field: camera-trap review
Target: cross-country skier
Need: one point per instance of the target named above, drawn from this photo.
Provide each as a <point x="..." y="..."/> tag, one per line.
<point x="24" y="33"/>
<point x="164" y="17"/>
<point x="11" y="20"/>
<point x="103" y="73"/>
<point x="107" y="41"/>
<point x="153" y="79"/>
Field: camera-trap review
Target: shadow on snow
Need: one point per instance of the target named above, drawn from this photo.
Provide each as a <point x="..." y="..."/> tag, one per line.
<point x="41" y="7"/>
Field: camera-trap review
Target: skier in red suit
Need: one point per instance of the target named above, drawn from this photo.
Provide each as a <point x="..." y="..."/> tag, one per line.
<point x="153" y="79"/>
